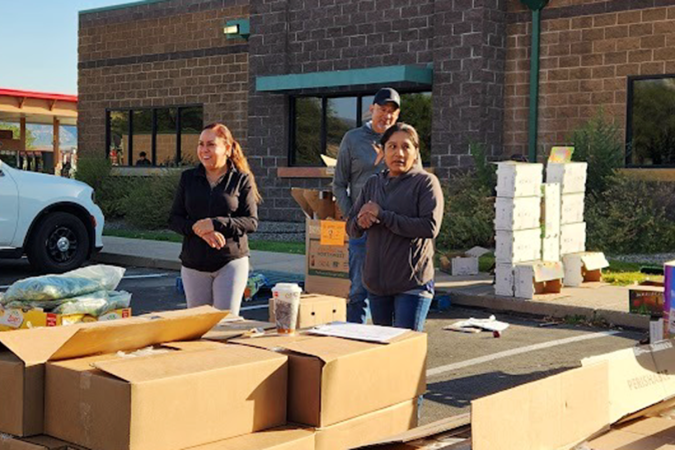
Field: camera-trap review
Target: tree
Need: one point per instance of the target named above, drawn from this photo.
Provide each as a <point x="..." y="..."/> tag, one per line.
<point x="16" y="131"/>
<point x="416" y="111"/>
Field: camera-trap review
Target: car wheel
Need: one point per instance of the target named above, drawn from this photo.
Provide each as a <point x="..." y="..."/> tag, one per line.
<point x="60" y="243"/>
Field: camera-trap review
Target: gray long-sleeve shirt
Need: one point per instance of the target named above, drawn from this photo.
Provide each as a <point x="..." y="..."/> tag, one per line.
<point x="357" y="161"/>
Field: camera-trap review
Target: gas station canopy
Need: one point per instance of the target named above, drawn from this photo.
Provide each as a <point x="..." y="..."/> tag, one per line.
<point x="37" y="107"/>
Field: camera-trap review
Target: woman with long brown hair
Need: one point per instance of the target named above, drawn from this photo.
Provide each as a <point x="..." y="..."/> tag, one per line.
<point x="215" y="208"/>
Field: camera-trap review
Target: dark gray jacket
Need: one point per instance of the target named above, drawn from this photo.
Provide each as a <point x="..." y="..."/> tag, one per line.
<point x="400" y="249"/>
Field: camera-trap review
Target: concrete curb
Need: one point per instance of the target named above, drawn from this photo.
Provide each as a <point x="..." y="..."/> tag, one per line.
<point x="493" y="303"/>
<point x="140" y="261"/>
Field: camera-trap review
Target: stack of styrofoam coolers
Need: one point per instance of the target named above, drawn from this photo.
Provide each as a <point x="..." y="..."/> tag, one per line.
<point x="572" y="179"/>
<point x="517" y="220"/>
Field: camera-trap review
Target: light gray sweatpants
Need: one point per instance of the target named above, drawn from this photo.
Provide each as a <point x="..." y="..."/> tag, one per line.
<point x="223" y="289"/>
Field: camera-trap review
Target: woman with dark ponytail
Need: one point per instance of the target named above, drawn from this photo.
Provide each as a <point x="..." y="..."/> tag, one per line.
<point x="215" y="208"/>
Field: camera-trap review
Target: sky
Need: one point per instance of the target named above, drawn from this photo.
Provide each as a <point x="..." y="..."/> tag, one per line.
<point x="39" y="43"/>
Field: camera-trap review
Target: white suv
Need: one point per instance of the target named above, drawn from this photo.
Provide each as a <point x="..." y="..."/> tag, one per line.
<point x="52" y="220"/>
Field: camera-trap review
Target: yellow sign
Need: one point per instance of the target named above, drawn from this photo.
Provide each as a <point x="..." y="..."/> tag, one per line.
<point x="561" y="154"/>
<point x="333" y="232"/>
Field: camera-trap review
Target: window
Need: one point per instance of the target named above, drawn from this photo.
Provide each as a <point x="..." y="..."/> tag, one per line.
<point x="153" y="136"/>
<point x="319" y="123"/>
<point x="650" y="136"/>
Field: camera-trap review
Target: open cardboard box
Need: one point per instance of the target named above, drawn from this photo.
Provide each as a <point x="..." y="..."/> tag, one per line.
<point x="646" y="298"/>
<point x="583" y="267"/>
<point x="322" y="371"/>
<point x="23" y="354"/>
<point x="537" y="277"/>
<point x="190" y="394"/>
<point x="15" y="319"/>
<point x="606" y="404"/>
<point x="326" y="243"/>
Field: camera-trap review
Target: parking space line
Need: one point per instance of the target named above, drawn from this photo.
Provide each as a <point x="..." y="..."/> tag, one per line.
<point x="517" y="351"/>
<point x="252" y="307"/>
<point x="147" y="275"/>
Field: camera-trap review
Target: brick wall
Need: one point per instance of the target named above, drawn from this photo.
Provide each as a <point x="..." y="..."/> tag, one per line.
<point x="161" y="54"/>
<point x="588" y="51"/>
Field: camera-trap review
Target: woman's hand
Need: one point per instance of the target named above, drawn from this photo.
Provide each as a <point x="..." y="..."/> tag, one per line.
<point x="202" y="227"/>
<point x="214" y="239"/>
<point x="368" y="215"/>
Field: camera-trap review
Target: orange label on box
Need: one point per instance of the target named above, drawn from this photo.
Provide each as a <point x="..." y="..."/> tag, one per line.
<point x="333" y="232"/>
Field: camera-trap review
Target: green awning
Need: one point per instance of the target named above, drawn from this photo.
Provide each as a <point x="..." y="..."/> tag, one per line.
<point x="339" y="78"/>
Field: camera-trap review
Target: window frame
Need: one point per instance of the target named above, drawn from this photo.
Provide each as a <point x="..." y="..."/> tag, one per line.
<point x="130" y="128"/>
<point x="628" y="145"/>
<point x="324" y="97"/>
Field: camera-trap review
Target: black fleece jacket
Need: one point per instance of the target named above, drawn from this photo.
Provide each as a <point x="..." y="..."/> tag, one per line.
<point x="232" y="199"/>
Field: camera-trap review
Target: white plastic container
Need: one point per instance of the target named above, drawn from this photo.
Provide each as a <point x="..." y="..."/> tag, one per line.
<point x="504" y="280"/>
<point x="286" y="305"/>
<point x="550" y="248"/>
<point x="517" y="246"/>
<point x="516" y="179"/>
<point x="519" y="213"/>
<point x="571" y="176"/>
<point x="572" y="208"/>
<point x="572" y="238"/>
<point x="585" y="266"/>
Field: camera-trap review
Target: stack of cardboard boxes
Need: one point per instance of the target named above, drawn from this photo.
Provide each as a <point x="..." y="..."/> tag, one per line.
<point x="149" y="383"/>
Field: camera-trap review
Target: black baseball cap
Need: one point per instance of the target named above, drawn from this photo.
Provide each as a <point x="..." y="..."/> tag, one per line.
<point x="387" y="95"/>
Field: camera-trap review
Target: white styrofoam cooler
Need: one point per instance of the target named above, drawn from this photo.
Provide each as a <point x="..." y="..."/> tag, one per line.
<point x="516" y="246"/>
<point x="464" y="265"/>
<point x="551" y="209"/>
<point x="572" y="208"/>
<point x="504" y="280"/>
<point x="572" y="238"/>
<point x="571" y="176"/>
<point x="519" y="213"/>
<point x="516" y="179"/>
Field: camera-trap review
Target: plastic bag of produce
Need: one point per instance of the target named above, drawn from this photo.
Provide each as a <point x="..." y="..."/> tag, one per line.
<point x="95" y="304"/>
<point x="70" y="284"/>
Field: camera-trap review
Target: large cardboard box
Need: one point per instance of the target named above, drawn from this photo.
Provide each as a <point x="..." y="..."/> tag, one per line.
<point x="571" y="176"/>
<point x="583" y="267"/>
<point x="504" y="284"/>
<point x="537" y="277"/>
<point x="169" y="401"/>
<point x="572" y="238"/>
<point x="40" y="442"/>
<point x="572" y="208"/>
<point x="646" y="298"/>
<point x="231" y="329"/>
<point x="23" y="354"/>
<point x="516" y="179"/>
<point x="326" y="243"/>
<point x="517" y="246"/>
<point x="519" y="213"/>
<point x="285" y="438"/>
<point x="370" y="427"/>
<point x="15" y="319"/>
<point x="316" y="310"/>
<point x="332" y="380"/>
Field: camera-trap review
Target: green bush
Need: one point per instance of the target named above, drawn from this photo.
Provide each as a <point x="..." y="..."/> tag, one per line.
<point x="148" y="206"/>
<point x="629" y="217"/>
<point x="598" y="142"/>
<point x="111" y="191"/>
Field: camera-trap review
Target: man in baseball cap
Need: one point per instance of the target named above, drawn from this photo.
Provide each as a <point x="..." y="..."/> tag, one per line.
<point x="360" y="157"/>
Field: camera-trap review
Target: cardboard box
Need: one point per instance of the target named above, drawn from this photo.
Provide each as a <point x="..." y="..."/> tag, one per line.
<point x="504" y="284"/>
<point x="537" y="277"/>
<point x="571" y="176"/>
<point x="519" y="213"/>
<point x="368" y="427"/>
<point x="23" y="354"/>
<point x="15" y="319"/>
<point x="517" y="246"/>
<point x="446" y="433"/>
<point x="516" y="179"/>
<point x="468" y="262"/>
<point x="231" y="329"/>
<point x="316" y="310"/>
<point x="572" y="238"/>
<point x="646" y="298"/>
<point x="326" y="243"/>
<point x="285" y="438"/>
<point x="550" y="248"/>
<point x="572" y="208"/>
<point x="322" y="371"/>
<point x="583" y="267"/>
<point x="169" y="401"/>
<point x="40" y="442"/>
<point x="550" y="209"/>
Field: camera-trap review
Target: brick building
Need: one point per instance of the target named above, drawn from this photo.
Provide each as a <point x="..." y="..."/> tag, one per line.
<point x="152" y="72"/>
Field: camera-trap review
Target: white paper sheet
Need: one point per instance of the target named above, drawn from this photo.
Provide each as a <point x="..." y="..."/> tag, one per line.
<point x="359" y="332"/>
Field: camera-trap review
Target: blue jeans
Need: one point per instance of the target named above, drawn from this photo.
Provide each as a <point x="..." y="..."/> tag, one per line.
<point x="400" y="310"/>
<point x="358" y="296"/>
